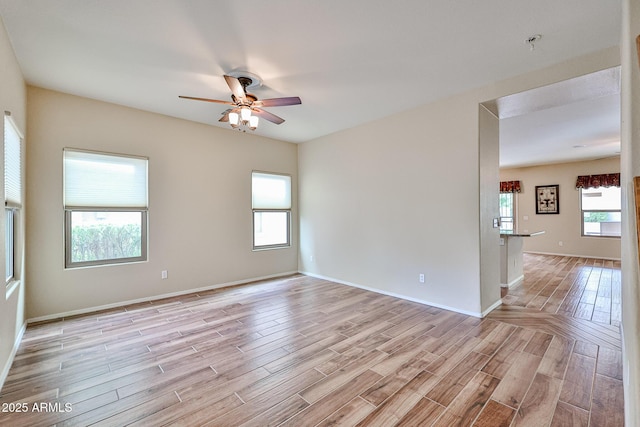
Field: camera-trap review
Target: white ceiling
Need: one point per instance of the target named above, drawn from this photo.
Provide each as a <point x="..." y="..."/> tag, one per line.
<point x="351" y="61"/>
<point x="574" y="119"/>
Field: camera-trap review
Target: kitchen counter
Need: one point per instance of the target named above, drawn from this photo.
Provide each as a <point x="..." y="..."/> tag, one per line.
<point x="511" y="265"/>
<point x="518" y="234"/>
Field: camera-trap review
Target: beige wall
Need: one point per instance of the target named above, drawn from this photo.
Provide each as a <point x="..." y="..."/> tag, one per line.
<point x="630" y="167"/>
<point x="566" y="226"/>
<point x="384" y="202"/>
<point x="381" y="203"/>
<point x="200" y="221"/>
<point x="12" y="305"/>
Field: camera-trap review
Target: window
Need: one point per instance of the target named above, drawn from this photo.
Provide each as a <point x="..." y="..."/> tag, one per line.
<point x="271" y="204"/>
<point x="105" y="202"/>
<point x="12" y="192"/>
<point x="601" y="211"/>
<point x="507" y="211"/>
<point x="508" y="189"/>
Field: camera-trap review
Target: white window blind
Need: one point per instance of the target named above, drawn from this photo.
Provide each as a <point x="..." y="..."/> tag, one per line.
<point x="270" y="191"/>
<point x="99" y="180"/>
<point x="12" y="164"/>
<point x="601" y="199"/>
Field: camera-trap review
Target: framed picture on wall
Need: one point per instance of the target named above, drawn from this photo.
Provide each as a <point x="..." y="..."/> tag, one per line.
<point x="547" y="199"/>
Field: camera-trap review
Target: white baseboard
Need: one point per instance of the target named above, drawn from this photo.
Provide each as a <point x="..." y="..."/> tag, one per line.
<point x="404" y="297"/>
<point x="572" y="255"/>
<point x="492" y="307"/>
<point x="16" y="345"/>
<point x="515" y="282"/>
<point x="155" y="297"/>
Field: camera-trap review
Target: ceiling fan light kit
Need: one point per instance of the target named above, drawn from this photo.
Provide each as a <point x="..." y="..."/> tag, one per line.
<point x="246" y="112"/>
<point x="243" y="120"/>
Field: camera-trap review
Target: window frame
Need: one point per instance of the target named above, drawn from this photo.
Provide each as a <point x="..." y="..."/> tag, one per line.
<point x="583" y="211"/>
<point x="276" y="245"/>
<point x="68" y="227"/>
<point x="68" y="221"/>
<point x="255" y="210"/>
<point x="10" y="244"/>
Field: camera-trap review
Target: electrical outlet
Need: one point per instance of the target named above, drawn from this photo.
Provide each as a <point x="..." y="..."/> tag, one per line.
<point x="164" y="274"/>
<point x="560" y="243"/>
<point x="421" y="278"/>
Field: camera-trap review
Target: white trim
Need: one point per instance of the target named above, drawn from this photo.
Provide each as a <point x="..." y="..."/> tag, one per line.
<point x="515" y="282"/>
<point x="493" y="307"/>
<point x="573" y="255"/>
<point x="11" y="287"/>
<point x="16" y="345"/>
<point x="17" y="129"/>
<point x="393" y="294"/>
<point x="156" y="297"/>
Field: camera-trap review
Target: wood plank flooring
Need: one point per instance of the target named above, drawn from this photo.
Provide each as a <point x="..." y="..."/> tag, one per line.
<point x="587" y="289"/>
<point x="301" y="351"/>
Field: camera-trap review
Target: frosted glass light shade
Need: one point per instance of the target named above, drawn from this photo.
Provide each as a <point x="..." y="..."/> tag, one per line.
<point x="253" y="122"/>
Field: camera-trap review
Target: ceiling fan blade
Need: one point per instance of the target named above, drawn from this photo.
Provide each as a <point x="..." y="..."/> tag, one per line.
<point x="225" y="115"/>
<point x="278" y="102"/>
<point x="268" y="116"/>
<point x="217" y="101"/>
<point x="236" y="87"/>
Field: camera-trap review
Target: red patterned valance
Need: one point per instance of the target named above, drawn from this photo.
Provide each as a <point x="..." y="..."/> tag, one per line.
<point x="509" y="186"/>
<point x="595" y="181"/>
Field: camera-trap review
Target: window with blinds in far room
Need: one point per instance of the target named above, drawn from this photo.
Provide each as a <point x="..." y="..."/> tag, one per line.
<point x="507" y="212"/>
<point x="601" y="211"/>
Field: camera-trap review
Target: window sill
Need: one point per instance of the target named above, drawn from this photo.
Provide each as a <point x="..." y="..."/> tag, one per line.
<point x="111" y="263"/>
<point x="268" y="248"/>
<point x="11" y="287"/>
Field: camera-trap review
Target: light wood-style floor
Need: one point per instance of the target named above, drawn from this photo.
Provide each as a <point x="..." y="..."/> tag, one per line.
<point x="301" y="351"/>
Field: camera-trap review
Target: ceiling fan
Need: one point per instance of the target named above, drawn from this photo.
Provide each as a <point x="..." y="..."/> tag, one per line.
<point x="247" y="108"/>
